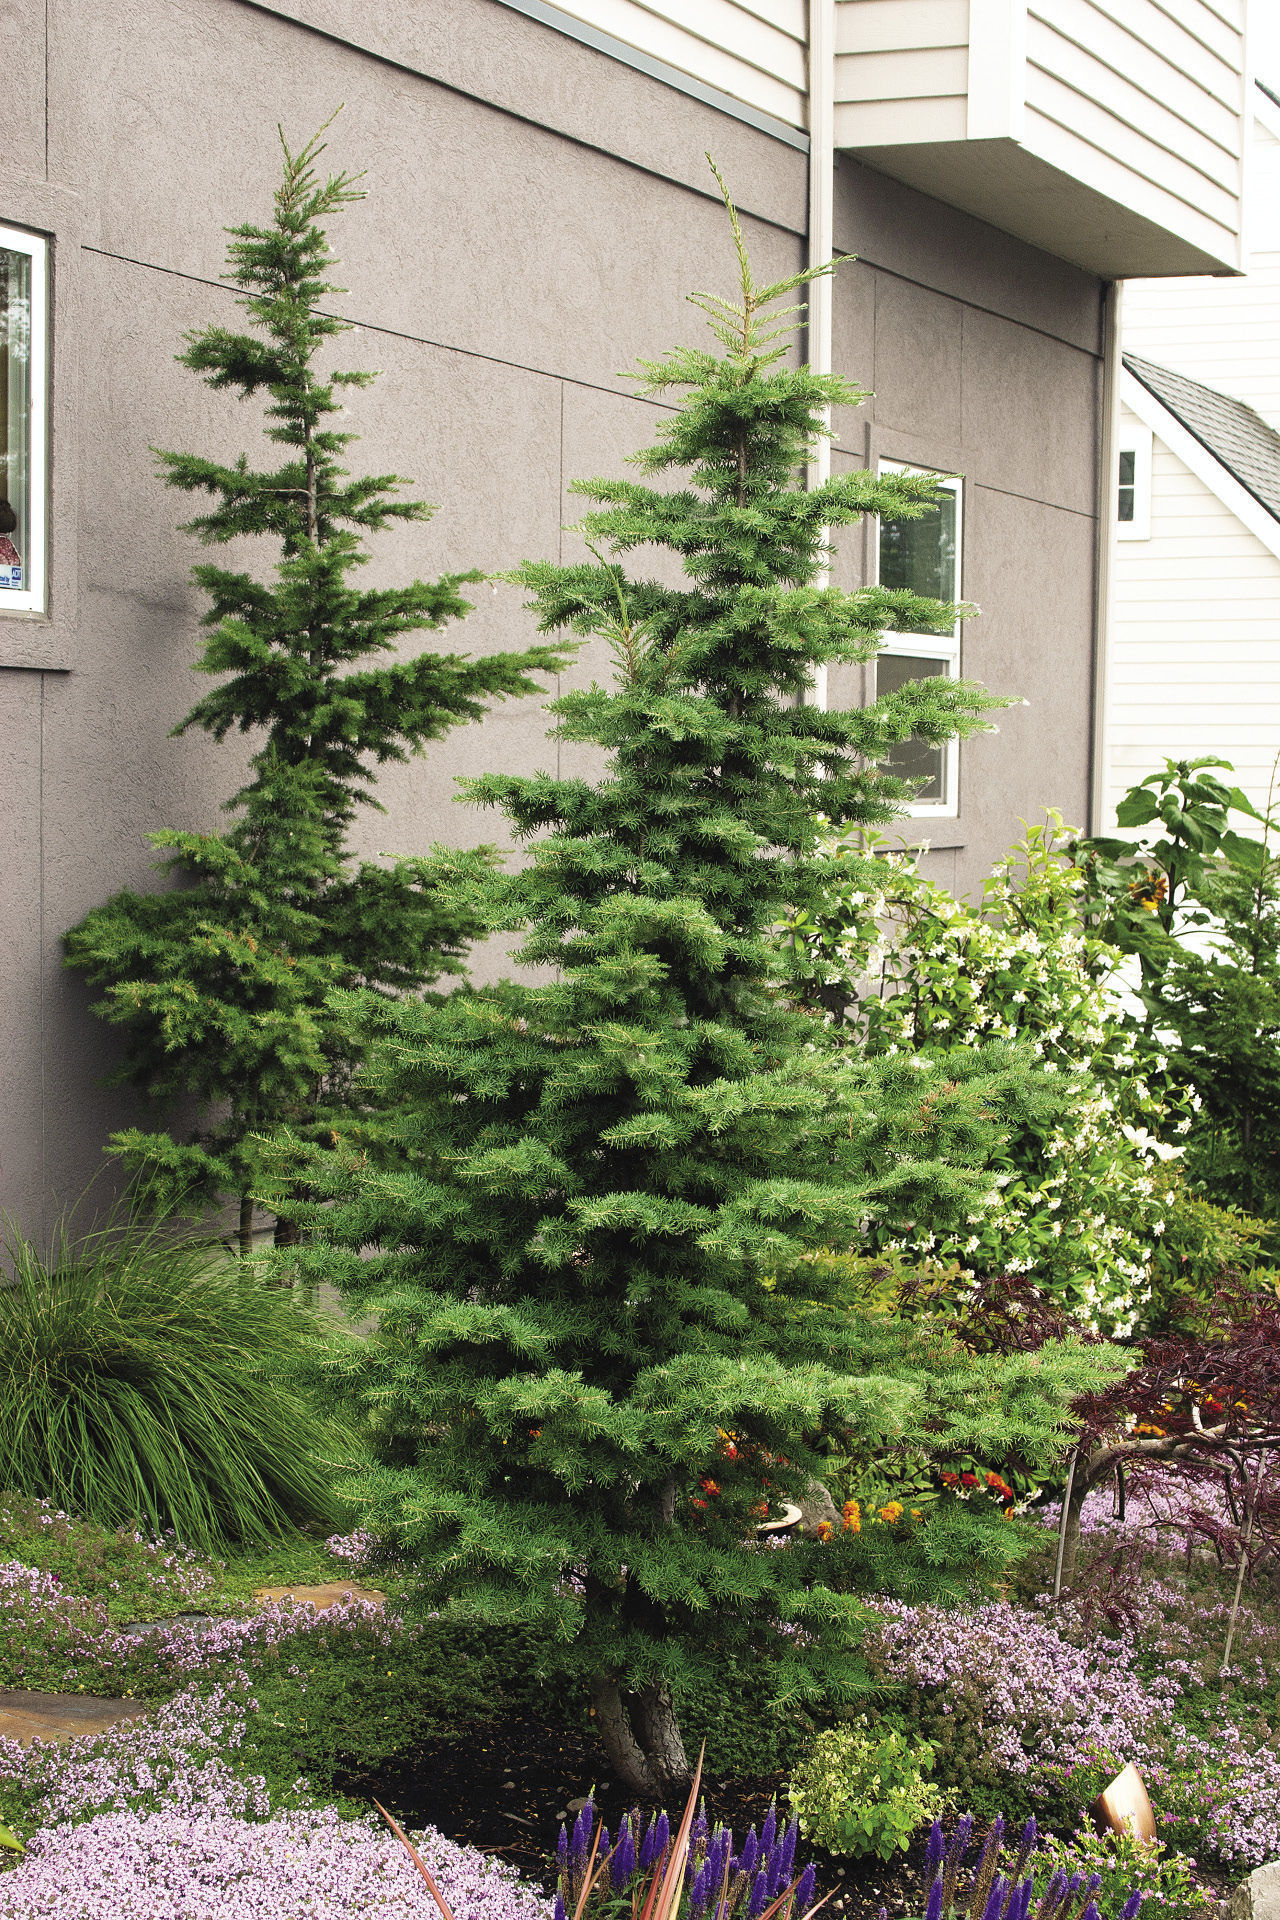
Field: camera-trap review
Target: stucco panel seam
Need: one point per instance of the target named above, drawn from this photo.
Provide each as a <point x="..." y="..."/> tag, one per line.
<point x="398" y="333"/>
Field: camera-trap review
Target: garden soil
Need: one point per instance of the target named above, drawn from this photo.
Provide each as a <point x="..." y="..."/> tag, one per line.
<point x="506" y="1788"/>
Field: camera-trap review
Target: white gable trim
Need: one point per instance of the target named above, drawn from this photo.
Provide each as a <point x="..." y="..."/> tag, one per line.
<point x="1205" y="465"/>
<point x="1266" y="112"/>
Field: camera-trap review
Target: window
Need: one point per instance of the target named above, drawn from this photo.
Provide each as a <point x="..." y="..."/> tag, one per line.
<point x="22" y="421"/>
<point x="924" y="556"/>
<point x="1133" y="483"/>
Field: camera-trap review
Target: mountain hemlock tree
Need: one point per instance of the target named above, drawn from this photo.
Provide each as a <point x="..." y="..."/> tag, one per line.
<point x="602" y="1353"/>
<point x="221" y="983"/>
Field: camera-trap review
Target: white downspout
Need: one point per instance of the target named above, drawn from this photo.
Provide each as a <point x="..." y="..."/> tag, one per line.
<point x="1104" y="574"/>
<point x="822" y="160"/>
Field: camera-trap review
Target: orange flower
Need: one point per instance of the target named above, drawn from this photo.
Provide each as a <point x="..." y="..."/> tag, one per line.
<point x="708" y="1485"/>
<point x="825" y="1529"/>
<point x="892" y="1512"/>
<point x="852" y="1515"/>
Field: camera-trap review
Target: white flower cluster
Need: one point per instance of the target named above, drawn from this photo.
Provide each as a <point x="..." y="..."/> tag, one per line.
<point x="1078" y="1203"/>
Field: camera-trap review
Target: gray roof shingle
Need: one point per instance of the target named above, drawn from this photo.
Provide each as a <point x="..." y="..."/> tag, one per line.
<point x="1237" y="437"/>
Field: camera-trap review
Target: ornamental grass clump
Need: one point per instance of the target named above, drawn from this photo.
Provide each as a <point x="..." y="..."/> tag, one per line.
<point x="146" y="1380"/>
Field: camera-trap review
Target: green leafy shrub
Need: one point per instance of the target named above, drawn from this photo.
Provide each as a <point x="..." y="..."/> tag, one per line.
<point x="1211" y="1002"/>
<point x="146" y="1380"/>
<point x="863" y="1790"/>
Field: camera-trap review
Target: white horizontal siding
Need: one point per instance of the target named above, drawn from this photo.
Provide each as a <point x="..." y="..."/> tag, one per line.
<point x="1223" y="332"/>
<point x="1195" y="638"/>
<point x="1144" y="103"/>
<point x="753" y="50"/>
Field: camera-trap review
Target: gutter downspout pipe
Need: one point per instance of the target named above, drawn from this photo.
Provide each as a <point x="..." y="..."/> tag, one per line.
<point x="1104" y="560"/>
<point x="821" y="239"/>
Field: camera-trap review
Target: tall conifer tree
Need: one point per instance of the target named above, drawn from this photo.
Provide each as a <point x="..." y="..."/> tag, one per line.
<point x="602" y="1348"/>
<point x="222" y="982"/>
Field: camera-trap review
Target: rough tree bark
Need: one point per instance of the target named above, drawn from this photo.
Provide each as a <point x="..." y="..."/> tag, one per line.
<point x="642" y="1738"/>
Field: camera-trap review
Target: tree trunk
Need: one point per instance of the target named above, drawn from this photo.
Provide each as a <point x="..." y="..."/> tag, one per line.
<point x="655" y="1713"/>
<point x="287" y="1233"/>
<point x="1081" y="1486"/>
<point x="246" y="1225"/>
<point x="642" y="1738"/>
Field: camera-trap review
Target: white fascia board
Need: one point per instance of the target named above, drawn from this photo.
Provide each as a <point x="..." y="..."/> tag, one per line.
<point x="1205" y="465"/>
<point x="1266" y="112"/>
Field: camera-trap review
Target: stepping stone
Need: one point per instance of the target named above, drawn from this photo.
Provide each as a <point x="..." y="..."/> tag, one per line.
<point x="332" y="1594"/>
<point x="25" y="1717"/>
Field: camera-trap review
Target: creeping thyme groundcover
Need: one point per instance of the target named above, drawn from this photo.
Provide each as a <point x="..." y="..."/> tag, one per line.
<point x="177" y="1808"/>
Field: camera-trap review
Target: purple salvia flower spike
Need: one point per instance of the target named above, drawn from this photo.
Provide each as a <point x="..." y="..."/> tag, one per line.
<point x="996" y="1898"/>
<point x="698" y="1834"/>
<point x="602" y="1851"/>
<point x="951" y="1863"/>
<point x="750" y="1853"/>
<point x="649" y="1846"/>
<point x="934" y="1852"/>
<point x="562" y="1849"/>
<point x="700" y="1891"/>
<point x="789" y="1840"/>
<point x="769" y="1831"/>
<point x="663" y="1834"/>
<point x="1026" y="1847"/>
<point x="1091" y="1912"/>
<point x="559" y="1912"/>
<point x="804" y="1892"/>
<point x="933" y="1906"/>
<point x="1129" y="1911"/>
<point x="759" y="1896"/>
<point x="985" y="1872"/>
<point x="1051" y="1898"/>
<point x="623" y="1864"/>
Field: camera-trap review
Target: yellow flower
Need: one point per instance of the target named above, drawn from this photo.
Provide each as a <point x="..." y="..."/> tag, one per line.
<point x="892" y="1512"/>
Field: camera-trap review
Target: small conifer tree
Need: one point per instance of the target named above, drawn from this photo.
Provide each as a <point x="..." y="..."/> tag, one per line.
<point x="221" y="983"/>
<point x="603" y="1355"/>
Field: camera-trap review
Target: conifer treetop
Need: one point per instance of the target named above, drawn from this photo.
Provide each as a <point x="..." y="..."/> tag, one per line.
<point x="292" y="650"/>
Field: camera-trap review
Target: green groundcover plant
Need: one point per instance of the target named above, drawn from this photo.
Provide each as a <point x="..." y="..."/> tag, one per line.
<point x="145" y="1379"/>
<point x="589" y="1264"/>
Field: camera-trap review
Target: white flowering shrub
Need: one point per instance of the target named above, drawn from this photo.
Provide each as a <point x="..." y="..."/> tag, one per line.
<point x="1077" y="1202"/>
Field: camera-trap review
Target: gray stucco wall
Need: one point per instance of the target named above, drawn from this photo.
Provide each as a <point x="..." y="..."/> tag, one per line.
<point x="537" y="212"/>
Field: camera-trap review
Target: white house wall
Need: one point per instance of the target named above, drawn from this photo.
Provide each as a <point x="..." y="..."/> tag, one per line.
<point x="1225" y="333"/>
<point x="1195" y="665"/>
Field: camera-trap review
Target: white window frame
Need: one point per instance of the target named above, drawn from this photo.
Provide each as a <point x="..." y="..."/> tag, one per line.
<point x="1134" y="438"/>
<point x="945" y="648"/>
<point x="31" y="598"/>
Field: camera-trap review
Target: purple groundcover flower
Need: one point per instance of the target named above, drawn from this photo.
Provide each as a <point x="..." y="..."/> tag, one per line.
<point x="159" y="1866"/>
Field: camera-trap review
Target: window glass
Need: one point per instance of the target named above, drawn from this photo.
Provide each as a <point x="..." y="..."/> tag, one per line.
<point x="1128" y="480"/>
<point x="922" y="556"/>
<point x="21" y="421"/>
<point x="914" y="759"/>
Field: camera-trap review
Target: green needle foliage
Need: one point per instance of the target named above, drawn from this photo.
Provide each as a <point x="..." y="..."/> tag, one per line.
<point x="147" y="1380"/>
<point x="221" y="983"/>
<point x="589" y="1265"/>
